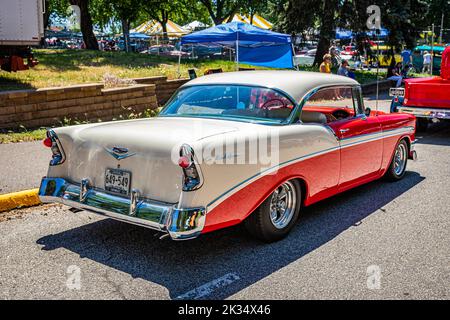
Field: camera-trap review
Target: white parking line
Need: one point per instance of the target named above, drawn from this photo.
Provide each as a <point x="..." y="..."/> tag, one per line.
<point x="208" y="288"/>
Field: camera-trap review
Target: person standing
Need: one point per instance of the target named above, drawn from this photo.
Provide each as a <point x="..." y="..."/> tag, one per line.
<point x="343" y="69"/>
<point x="335" y="57"/>
<point x="406" y="58"/>
<point x="426" y="62"/>
<point x="325" y="66"/>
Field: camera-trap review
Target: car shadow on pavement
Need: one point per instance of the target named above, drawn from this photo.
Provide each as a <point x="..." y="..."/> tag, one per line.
<point x="183" y="266"/>
<point x="436" y="134"/>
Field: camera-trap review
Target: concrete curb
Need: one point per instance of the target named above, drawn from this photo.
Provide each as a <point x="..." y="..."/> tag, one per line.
<point x="26" y="198"/>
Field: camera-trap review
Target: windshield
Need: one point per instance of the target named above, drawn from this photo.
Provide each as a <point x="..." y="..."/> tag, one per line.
<point x="230" y="101"/>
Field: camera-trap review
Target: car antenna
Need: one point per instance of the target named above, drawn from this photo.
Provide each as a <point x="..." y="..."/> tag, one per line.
<point x="378" y="31"/>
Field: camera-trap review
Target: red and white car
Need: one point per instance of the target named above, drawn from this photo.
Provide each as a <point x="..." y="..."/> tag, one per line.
<point x="252" y="147"/>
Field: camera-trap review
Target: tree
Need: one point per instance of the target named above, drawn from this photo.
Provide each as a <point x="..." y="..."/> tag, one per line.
<point x="220" y="10"/>
<point x="304" y="14"/>
<point x="403" y="18"/>
<point x="125" y="11"/>
<point x="252" y="7"/>
<point x="86" y="25"/>
<point x="162" y="10"/>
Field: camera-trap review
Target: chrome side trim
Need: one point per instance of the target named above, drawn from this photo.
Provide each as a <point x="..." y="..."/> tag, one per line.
<point x="179" y="223"/>
<point x="428" y="113"/>
<point x="349" y="142"/>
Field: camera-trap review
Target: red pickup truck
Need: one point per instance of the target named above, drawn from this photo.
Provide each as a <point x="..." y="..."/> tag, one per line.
<point x="426" y="98"/>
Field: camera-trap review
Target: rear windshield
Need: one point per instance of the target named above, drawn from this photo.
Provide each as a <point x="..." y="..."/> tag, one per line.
<point x="230" y="101"/>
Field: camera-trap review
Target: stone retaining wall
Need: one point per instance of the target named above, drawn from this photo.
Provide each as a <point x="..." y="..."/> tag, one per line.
<point x="89" y="102"/>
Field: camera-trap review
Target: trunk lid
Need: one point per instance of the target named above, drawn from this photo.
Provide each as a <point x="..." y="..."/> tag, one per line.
<point x="149" y="146"/>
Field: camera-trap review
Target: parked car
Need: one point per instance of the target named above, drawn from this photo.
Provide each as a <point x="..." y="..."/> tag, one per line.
<point x="200" y="165"/>
<point x="426" y="98"/>
<point x="167" y="50"/>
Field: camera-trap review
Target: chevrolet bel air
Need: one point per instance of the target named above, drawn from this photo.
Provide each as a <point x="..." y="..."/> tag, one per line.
<point x="253" y="147"/>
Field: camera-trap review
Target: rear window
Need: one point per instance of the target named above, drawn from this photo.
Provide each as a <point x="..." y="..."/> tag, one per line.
<point x="230" y="101"/>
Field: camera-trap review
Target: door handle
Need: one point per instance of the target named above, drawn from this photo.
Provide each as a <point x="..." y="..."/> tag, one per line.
<point x="344" y="130"/>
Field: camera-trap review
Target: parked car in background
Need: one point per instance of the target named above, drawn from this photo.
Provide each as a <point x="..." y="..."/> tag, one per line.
<point x="426" y="98"/>
<point x="194" y="168"/>
<point x="167" y="50"/>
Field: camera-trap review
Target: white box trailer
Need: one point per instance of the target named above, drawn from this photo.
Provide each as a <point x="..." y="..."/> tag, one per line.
<point x="21" y="22"/>
<point x="21" y="26"/>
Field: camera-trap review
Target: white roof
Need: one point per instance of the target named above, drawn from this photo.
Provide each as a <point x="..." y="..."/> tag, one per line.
<point x="194" y="24"/>
<point x="294" y="83"/>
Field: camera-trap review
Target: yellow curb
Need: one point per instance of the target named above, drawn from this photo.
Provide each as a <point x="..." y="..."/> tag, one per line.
<point x="19" y="199"/>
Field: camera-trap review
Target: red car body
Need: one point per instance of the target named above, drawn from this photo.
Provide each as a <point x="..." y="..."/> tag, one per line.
<point x="427" y="98"/>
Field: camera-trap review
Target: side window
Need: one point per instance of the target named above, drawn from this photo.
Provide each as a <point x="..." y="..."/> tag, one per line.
<point x="330" y="104"/>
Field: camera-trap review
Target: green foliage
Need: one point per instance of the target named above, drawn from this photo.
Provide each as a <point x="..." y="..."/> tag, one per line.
<point x="220" y="10"/>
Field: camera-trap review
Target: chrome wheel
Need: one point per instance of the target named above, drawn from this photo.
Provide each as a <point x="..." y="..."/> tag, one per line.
<point x="283" y="203"/>
<point x="401" y="154"/>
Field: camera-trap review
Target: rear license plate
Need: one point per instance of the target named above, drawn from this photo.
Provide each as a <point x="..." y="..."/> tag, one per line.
<point x="117" y="181"/>
<point x="397" y="92"/>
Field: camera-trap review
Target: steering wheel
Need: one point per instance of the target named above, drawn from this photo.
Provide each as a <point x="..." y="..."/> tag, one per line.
<point x="340" y="114"/>
<point x="273" y="104"/>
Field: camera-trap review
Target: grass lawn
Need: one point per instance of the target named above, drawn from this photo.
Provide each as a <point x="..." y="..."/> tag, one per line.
<point x="68" y="67"/>
<point x="23" y="135"/>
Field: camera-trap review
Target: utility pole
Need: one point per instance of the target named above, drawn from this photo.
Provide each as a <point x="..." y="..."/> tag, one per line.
<point x="432" y="47"/>
<point x="442" y="28"/>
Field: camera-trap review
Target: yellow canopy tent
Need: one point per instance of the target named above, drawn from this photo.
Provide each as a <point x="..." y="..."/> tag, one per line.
<point x="257" y="21"/>
<point x="154" y="28"/>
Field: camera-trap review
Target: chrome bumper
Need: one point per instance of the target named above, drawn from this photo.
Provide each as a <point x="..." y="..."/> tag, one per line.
<point x="180" y="224"/>
<point x="426" y="112"/>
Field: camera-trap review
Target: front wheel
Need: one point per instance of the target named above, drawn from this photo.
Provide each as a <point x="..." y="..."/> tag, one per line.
<point x="277" y="215"/>
<point x="397" y="168"/>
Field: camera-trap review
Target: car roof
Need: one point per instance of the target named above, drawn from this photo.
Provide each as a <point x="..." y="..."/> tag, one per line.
<point x="294" y="83"/>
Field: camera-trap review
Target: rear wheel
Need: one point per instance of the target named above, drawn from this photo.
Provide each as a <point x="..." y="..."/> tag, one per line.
<point x="277" y="215"/>
<point x="397" y="168"/>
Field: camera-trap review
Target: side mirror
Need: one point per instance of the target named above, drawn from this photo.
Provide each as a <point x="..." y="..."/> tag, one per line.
<point x="367" y="112"/>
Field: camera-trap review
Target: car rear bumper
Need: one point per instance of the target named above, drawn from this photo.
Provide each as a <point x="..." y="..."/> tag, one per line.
<point x="428" y="113"/>
<point x="412" y="151"/>
<point x="179" y="223"/>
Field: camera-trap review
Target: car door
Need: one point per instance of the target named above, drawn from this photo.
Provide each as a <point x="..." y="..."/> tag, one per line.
<point x="361" y="145"/>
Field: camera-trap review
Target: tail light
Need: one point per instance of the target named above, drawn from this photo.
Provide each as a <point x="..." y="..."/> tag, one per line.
<point x="53" y="143"/>
<point x="192" y="178"/>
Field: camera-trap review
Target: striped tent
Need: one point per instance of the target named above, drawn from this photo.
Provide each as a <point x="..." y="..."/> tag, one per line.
<point x="154" y="28"/>
<point x="258" y="21"/>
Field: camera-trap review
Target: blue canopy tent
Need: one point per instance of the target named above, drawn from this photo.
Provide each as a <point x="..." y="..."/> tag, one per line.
<point x="342" y="34"/>
<point x="253" y="45"/>
<point x="139" y="36"/>
<point x="383" y="33"/>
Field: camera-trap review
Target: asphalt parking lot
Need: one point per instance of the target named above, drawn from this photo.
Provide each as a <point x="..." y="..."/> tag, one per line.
<point x="382" y="240"/>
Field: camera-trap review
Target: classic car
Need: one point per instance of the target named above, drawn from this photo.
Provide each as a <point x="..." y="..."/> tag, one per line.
<point x="252" y="147"/>
<point x="426" y="98"/>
